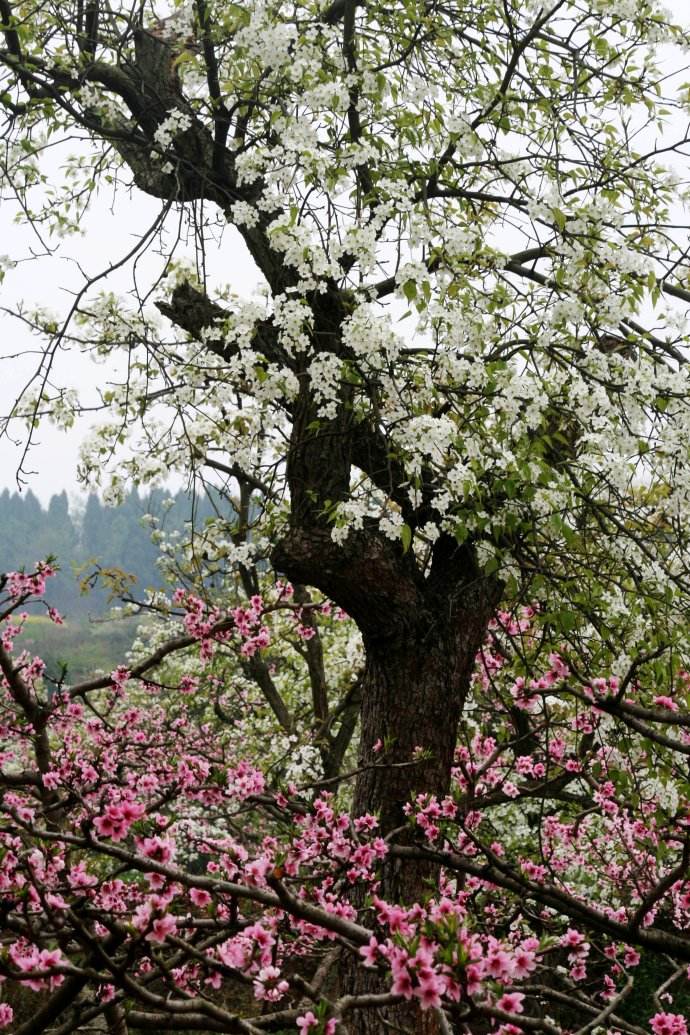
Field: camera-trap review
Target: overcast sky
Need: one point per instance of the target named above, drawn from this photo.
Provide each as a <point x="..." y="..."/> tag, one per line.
<point x="51" y="282"/>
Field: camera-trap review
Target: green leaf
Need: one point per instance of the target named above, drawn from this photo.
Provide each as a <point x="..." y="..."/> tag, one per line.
<point x="491" y="565"/>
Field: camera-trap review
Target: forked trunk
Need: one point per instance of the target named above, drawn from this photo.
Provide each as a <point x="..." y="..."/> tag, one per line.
<point x="421" y="633"/>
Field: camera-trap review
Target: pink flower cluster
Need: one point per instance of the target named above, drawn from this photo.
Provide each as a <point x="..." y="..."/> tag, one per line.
<point x="116" y="820"/>
<point x="36" y="964"/>
<point x="20" y="585"/>
<point x="668" y="1024"/>
<point x="147" y="796"/>
<point x="309" y="1020"/>
<point x="453" y="963"/>
<point x="209" y="625"/>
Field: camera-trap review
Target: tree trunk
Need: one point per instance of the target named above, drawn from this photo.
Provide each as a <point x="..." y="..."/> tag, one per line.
<point x="421" y="633"/>
<point x="413" y="696"/>
<point x="421" y="628"/>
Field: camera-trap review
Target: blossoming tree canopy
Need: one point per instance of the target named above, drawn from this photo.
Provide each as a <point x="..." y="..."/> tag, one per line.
<point x="461" y="387"/>
<point x="152" y="874"/>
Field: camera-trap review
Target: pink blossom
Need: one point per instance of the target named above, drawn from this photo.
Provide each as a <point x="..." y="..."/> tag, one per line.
<point x="499" y="964"/>
<point x="111" y="823"/>
<point x="160" y="849"/>
<point x="161" y="928"/>
<point x="49" y="958"/>
<point x="402" y="983"/>
<point x="524" y="765"/>
<point x="511" y="1002"/>
<point x="268" y="984"/>
<point x="533" y="869"/>
<point x="305" y="632"/>
<point x="188" y="685"/>
<point x="558" y="666"/>
<point x="668" y="1024"/>
<point x="370" y="952"/>
<point x="199" y="897"/>
<point x="120" y="676"/>
<point x="307" y="1021"/>
<point x="578" y="972"/>
<point x="131" y="811"/>
<point x="6" y="1014"/>
<point x="524" y="962"/>
<point x="429" y="991"/>
<point x="666" y="702"/>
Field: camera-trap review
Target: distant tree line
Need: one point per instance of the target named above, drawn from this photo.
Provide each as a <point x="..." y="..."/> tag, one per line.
<point x="109" y="537"/>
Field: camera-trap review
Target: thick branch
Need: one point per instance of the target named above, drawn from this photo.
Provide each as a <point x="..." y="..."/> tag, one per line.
<point x="504" y="876"/>
<point x="171" y="647"/>
<point x="193" y="311"/>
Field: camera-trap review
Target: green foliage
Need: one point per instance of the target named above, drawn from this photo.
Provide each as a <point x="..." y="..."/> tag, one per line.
<point x="76" y="649"/>
<point x="652" y="971"/>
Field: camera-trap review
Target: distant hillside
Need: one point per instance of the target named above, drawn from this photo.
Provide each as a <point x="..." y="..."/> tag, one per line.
<point x="79" y="648"/>
<point x="112" y="536"/>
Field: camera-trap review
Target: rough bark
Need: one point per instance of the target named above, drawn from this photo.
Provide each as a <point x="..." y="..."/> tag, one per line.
<point x="420" y="637"/>
<point x="413" y="693"/>
<point x="115" y="1020"/>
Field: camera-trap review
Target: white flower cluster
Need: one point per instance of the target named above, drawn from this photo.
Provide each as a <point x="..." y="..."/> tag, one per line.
<point x="269" y="43"/>
<point x="425" y="437"/>
<point x="331" y="97"/>
<point x="177" y="122"/>
<point x="461" y="242"/>
<point x="348" y="516"/>
<point x="304" y="762"/>
<point x="467" y="142"/>
<point x="95" y="99"/>
<point x="325" y="372"/>
<point x="662" y="793"/>
<point x="180" y="23"/>
<point x="302" y="250"/>
<point x="391" y="524"/>
<point x="360" y="241"/>
<point x="415" y="273"/>
<point x="6" y="263"/>
<point x="565" y="311"/>
<point x="63" y="408"/>
<point x="250" y="165"/>
<point x="624" y="10"/>
<point x="369" y="334"/>
<point x="292" y="317"/>
<point x="244" y="214"/>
